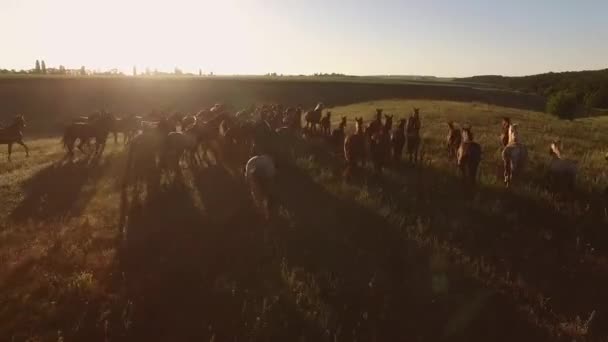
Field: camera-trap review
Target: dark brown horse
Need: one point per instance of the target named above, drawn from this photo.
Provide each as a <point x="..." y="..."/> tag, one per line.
<point x="412" y="129"/>
<point x="337" y="135"/>
<point x="375" y="126"/>
<point x="326" y="124"/>
<point x="354" y="148"/>
<point x="97" y="129"/>
<point x="398" y="140"/>
<point x="13" y="134"/>
<point x="469" y="156"/>
<point x="380" y="145"/>
<point x="453" y="140"/>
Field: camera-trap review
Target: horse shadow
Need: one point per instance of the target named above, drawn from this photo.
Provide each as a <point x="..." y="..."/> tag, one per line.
<point x="58" y="191"/>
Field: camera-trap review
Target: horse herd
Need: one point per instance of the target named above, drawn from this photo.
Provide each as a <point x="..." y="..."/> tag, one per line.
<point x="158" y="138"/>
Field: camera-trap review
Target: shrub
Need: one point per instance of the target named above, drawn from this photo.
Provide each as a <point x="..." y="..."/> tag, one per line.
<point x="562" y="104"/>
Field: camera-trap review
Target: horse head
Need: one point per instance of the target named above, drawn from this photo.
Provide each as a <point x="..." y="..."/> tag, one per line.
<point x="514" y="134"/>
<point x="359" y="124"/>
<point x="467" y="134"/>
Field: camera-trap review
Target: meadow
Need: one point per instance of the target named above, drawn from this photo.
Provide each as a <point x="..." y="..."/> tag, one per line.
<point x="410" y="256"/>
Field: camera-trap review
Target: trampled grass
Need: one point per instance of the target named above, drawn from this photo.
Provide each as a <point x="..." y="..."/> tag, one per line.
<point x="409" y="256"/>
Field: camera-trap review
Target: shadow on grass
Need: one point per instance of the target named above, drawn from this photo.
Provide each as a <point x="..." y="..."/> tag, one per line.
<point x="197" y="266"/>
<point x="60" y="190"/>
<point x="513" y="233"/>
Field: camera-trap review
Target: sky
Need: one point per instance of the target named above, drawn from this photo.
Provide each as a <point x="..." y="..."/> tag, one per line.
<point x="448" y="38"/>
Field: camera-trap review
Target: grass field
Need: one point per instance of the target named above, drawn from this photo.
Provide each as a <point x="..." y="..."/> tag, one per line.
<point x="411" y="256"/>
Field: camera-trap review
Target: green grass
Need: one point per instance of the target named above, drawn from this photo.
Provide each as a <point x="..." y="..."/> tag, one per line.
<point x="412" y="255"/>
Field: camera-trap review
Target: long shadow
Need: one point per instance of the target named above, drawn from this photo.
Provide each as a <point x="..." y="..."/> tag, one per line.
<point x="57" y="191"/>
<point x="377" y="285"/>
<point x="515" y="234"/>
<point x="203" y="273"/>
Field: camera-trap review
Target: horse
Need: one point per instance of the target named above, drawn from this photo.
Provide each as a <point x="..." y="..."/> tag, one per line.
<point x="313" y="117"/>
<point x="504" y="136"/>
<point x="183" y="144"/>
<point x="260" y="171"/>
<point x="380" y="145"/>
<point x="562" y="171"/>
<point x="514" y="156"/>
<point x="337" y="135"/>
<point x="453" y="140"/>
<point x="354" y="148"/>
<point x="398" y="140"/>
<point x="468" y="156"/>
<point x="326" y="124"/>
<point x="128" y="126"/>
<point x="13" y="134"/>
<point x="187" y="121"/>
<point x="412" y="129"/>
<point x="97" y="129"/>
<point x="374" y="126"/>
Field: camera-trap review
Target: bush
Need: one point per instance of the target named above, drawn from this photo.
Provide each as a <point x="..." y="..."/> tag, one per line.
<point x="562" y="104"/>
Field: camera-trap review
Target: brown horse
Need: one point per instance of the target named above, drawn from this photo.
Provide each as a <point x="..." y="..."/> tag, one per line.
<point x="412" y="129"/>
<point x="13" y="134"/>
<point x="504" y="136"/>
<point x="313" y="117"/>
<point x="380" y="145"/>
<point x="514" y="156"/>
<point x="468" y="156"/>
<point x="354" y="148"/>
<point x="97" y="129"/>
<point x="128" y="126"/>
<point x="398" y="140"/>
<point x="326" y="124"/>
<point x="453" y="140"/>
<point x="374" y="126"/>
<point x="337" y="135"/>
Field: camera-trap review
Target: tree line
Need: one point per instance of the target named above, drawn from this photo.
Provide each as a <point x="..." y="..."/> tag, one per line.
<point x="566" y="92"/>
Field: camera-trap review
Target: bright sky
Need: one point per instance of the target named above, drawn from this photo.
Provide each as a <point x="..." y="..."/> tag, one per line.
<point x="422" y="37"/>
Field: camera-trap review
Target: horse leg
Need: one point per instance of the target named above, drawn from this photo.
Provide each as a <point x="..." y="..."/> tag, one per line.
<point x="10" y="149"/>
<point x="27" y="150"/>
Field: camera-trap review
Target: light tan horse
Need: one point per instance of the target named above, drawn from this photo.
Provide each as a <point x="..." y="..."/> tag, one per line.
<point x="514" y="156"/>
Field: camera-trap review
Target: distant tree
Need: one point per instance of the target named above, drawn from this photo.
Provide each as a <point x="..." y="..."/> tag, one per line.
<point x="43" y="67"/>
<point x="147" y="71"/>
<point x="562" y="104"/>
<point x="37" y="67"/>
<point x="62" y="70"/>
<point x="200" y="72"/>
<point x="134" y="70"/>
<point x="83" y="71"/>
<point x="177" y="71"/>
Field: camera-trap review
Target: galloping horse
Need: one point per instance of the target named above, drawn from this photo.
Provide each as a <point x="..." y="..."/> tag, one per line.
<point x="412" y="129"/>
<point x="97" y="129"/>
<point x="398" y="140"/>
<point x="313" y="117"/>
<point x="514" y="155"/>
<point x="453" y="140"/>
<point x="128" y="126"/>
<point x="354" y="148"/>
<point x="469" y="156"/>
<point x="13" y="134"/>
